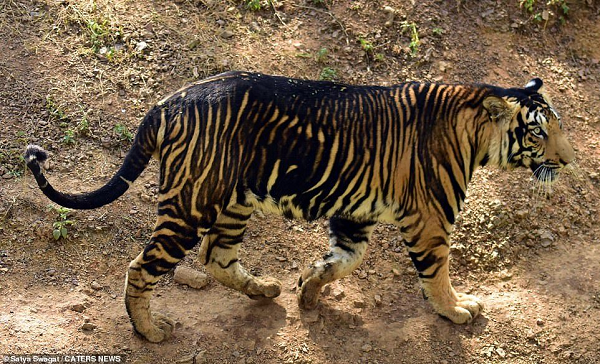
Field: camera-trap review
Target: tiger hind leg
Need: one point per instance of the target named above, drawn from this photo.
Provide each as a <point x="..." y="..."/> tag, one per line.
<point x="219" y="253"/>
<point x="168" y="245"/>
<point x="348" y="242"/>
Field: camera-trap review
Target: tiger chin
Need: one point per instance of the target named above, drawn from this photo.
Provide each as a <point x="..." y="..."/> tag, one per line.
<point x="358" y="155"/>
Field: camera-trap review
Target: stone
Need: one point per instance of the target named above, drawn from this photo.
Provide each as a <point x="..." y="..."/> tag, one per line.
<point x="190" y="277"/>
<point x="359" y="303"/>
<point x="88" y="326"/>
<point x="77" y="307"/>
<point x="95" y="286"/>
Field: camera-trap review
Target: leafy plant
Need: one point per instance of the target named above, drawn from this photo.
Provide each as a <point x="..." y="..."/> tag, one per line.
<point x="59" y="227"/>
<point x="123" y="133"/>
<point x="543" y="12"/>
<point x="69" y="137"/>
<point x="366" y="45"/>
<point x="253" y="5"/>
<point x="437" y="31"/>
<point x="54" y="109"/>
<point x="328" y="74"/>
<point x="414" y="36"/>
<point x="322" y="55"/>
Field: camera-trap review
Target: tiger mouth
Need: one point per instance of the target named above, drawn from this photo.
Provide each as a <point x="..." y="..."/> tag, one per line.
<point x="544" y="173"/>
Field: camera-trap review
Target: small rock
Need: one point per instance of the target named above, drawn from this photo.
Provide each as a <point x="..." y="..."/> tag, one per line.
<point x="505" y="275"/>
<point x="33" y="310"/>
<point x="521" y="214"/>
<point x="396" y="272"/>
<point x="377" y="300"/>
<point x="338" y="294"/>
<point x="501" y="352"/>
<point x="95" y="286"/>
<point x="88" y="327"/>
<point x="546" y="238"/>
<point x="366" y="348"/>
<point x="539" y="322"/>
<point x="141" y="46"/>
<point x="227" y="34"/>
<point x="190" y="277"/>
<point x="77" y="307"/>
<point x="359" y="304"/>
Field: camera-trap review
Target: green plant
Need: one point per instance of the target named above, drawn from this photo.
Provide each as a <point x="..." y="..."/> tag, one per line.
<point x="321" y="55"/>
<point x="437" y="31"/>
<point x="69" y="137"/>
<point x="414" y="36"/>
<point x="543" y="12"/>
<point x="101" y="32"/>
<point x="527" y="5"/>
<point x="253" y="5"/>
<point x="366" y="45"/>
<point x="59" y="227"/>
<point x="379" y="57"/>
<point x="328" y="74"/>
<point x="123" y="133"/>
<point x="54" y="109"/>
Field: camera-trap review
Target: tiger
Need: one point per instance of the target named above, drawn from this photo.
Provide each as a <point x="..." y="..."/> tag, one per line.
<point x="355" y="154"/>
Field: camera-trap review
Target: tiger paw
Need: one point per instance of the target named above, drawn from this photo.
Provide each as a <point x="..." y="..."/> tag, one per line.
<point x="464" y="310"/>
<point x="263" y="287"/>
<point x="160" y="329"/>
<point x="308" y="292"/>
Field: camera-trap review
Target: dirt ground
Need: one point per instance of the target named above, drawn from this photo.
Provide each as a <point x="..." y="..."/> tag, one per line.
<point x="77" y="77"/>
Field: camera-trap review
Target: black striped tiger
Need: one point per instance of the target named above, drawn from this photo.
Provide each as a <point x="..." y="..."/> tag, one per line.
<point x="359" y="155"/>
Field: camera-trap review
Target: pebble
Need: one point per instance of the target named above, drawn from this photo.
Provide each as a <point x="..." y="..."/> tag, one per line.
<point x="366" y="348"/>
<point x="88" y="327"/>
<point x="95" y="286"/>
<point x="338" y="294"/>
<point x="226" y="34"/>
<point x="377" y="300"/>
<point x="501" y="352"/>
<point x="190" y="277"/>
<point x="140" y="46"/>
<point x="539" y="322"/>
<point x="77" y="307"/>
<point x="505" y="275"/>
<point x="359" y="304"/>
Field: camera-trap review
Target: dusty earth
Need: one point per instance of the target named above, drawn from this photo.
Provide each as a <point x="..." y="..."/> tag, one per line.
<point x="77" y="76"/>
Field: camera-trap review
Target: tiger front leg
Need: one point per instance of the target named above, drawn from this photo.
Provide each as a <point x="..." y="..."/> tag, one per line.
<point x="348" y="242"/>
<point x="431" y="259"/>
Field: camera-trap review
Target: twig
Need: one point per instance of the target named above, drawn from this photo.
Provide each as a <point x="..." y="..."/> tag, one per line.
<point x="276" y="13"/>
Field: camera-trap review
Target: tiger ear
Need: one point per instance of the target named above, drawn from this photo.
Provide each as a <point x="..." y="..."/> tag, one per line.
<point x="535" y="85"/>
<point x="497" y="107"/>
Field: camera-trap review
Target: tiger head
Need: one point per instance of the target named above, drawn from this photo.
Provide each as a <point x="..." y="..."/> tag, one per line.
<point x="531" y="132"/>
